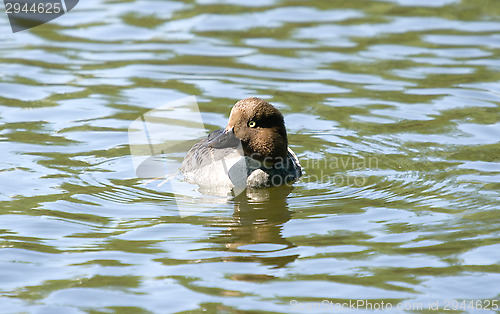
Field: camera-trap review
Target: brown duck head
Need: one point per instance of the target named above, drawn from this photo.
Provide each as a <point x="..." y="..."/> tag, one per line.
<point x="259" y="126"/>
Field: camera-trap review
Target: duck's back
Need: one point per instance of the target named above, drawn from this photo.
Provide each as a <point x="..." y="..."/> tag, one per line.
<point x="228" y="167"/>
<point x="207" y="166"/>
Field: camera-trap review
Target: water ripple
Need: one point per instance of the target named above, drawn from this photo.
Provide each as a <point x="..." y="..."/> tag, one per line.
<point x="391" y="106"/>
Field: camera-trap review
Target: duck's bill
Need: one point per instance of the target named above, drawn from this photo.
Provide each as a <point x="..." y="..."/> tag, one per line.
<point x="223" y="138"/>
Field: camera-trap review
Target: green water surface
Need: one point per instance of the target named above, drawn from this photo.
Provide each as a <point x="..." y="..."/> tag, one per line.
<point x="393" y="108"/>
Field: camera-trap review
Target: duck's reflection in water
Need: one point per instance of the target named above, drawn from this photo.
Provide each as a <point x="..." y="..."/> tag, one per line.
<point x="254" y="232"/>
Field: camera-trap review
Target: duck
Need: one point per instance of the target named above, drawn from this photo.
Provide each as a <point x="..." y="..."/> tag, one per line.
<point x="250" y="152"/>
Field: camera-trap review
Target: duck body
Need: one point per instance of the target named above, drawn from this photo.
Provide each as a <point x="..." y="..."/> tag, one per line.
<point x="252" y="151"/>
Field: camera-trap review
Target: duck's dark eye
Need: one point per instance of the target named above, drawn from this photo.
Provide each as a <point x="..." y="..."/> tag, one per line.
<point x="252" y="124"/>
